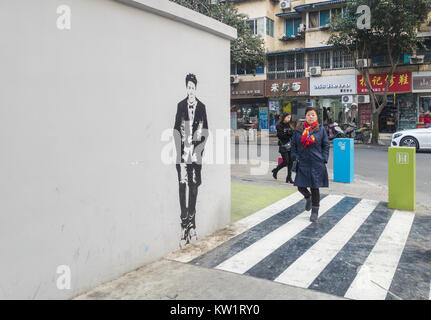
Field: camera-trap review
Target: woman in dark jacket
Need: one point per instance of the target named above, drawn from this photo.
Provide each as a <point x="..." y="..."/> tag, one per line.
<point x="284" y="133"/>
<point x="310" y="146"/>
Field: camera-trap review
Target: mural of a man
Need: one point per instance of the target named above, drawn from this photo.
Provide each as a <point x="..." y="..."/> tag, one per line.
<point x="190" y="134"/>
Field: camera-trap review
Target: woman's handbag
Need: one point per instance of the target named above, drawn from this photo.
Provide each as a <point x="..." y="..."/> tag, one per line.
<point x="280" y="160"/>
<point x="287" y="146"/>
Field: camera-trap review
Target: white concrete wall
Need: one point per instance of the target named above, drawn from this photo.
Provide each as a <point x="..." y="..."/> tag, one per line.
<point x="82" y="112"/>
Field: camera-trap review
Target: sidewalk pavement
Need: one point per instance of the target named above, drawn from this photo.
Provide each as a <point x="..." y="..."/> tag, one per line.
<point x="172" y="278"/>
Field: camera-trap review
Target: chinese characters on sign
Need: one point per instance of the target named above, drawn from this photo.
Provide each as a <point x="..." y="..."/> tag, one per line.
<point x="297" y="87"/>
<point x="249" y="89"/>
<point x="247" y="92"/>
<point x="294" y="86"/>
<point x="399" y="82"/>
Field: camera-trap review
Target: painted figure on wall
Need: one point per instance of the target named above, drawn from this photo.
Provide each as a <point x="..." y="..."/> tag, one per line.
<point x="190" y="133"/>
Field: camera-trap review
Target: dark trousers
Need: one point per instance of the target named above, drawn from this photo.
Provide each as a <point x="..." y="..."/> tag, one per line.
<point x="315" y="195"/>
<point x="189" y="176"/>
<point x="287" y="162"/>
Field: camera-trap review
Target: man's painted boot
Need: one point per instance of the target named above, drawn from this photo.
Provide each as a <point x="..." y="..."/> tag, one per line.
<point x="184" y="237"/>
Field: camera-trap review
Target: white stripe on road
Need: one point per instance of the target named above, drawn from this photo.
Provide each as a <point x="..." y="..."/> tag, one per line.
<point x="268" y="212"/>
<point x="250" y="256"/>
<point x="375" y="276"/>
<point x="187" y="255"/>
<point x="308" y="267"/>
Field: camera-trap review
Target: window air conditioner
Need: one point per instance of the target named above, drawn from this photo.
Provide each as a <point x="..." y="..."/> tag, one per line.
<point x="234" y="79"/>
<point x="347" y="99"/>
<point x="416" y="59"/>
<point x="364" y="99"/>
<point x="285" y="5"/>
<point x="362" y="63"/>
<point x="315" y="71"/>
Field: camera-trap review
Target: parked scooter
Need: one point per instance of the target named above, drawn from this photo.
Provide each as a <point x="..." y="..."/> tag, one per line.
<point x="363" y="134"/>
<point x="334" y="131"/>
<point x="350" y="130"/>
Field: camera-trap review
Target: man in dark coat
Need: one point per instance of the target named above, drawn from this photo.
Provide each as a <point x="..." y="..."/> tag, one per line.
<point x="311" y="148"/>
<point x="190" y="135"/>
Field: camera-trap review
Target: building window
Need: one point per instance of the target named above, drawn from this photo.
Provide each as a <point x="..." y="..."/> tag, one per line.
<point x="320" y="58"/>
<point x="322" y="18"/>
<point x="330" y="59"/>
<point x="314" y="19"/>
<point x="269" y="27"/>
<point x="286" y="66"/>
<point x="261" y="26"/>
<point x="341" y="60"/>
<point x="292" y="26"/>
<point x="236" y="69"/>
<point x="337" y="13"/>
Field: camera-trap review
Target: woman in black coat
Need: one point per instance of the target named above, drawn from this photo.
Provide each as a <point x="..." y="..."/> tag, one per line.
<point x="310" y="146"/>
<point x="284" y="133"/>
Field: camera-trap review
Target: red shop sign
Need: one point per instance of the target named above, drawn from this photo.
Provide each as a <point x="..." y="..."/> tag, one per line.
<point x="400" y="82"/>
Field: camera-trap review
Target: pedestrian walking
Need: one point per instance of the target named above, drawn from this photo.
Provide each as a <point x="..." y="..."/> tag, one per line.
<point x="310" y="150"/>
<point x="284" y="133"/>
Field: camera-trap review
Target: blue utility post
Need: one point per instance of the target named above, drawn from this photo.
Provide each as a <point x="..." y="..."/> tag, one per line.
<point x="344" y="151"/>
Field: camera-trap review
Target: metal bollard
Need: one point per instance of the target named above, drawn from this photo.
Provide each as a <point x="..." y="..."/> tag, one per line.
<point x="344" y="151"/>
<point x="402" y="178"/>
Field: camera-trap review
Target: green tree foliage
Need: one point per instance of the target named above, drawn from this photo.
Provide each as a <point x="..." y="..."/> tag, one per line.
<point x="247" y="50"/>
<point x="394" y="26"/>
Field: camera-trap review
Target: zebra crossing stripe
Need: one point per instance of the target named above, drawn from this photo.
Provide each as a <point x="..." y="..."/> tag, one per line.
<point x="241" y="226"/>
<point x="269" y="211"/>
<point x="279" y="260"/>
<point x="339" y="274"/>
<point x="307" y="267"/>
<point x="375" y="276"/>
<point x="231" y="247"/>
<point x="250" y="256"/>
<point x="413" y="275"/>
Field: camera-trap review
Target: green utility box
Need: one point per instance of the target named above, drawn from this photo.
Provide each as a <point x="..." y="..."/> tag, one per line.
<point x="402" y="178"/>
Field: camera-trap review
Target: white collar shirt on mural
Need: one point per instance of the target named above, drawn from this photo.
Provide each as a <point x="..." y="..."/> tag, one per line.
<point x="191" y="109"/>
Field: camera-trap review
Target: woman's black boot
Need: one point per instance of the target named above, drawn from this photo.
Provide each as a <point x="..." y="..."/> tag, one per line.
<point x="308" y="203"/>
<point x="289" y="177"/>
<point x="274" y="173"/>
<point x="314" y="214"/>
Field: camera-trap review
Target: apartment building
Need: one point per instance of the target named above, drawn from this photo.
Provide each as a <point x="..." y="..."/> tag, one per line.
<point x="302" y="70"/>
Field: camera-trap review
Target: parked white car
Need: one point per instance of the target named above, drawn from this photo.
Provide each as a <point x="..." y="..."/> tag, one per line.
<point x="418" y="138"/>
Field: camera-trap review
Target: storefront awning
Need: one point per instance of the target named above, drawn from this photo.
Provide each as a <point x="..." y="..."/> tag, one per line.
<point x="299" y="50"/>
<point x="318" y="48"/>
<point x="306" y="7"/>
<point x="288" y="14"/>
<point x="286" y="51"/>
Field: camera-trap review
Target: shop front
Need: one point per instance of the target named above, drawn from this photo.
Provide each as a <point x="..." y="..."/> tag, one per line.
<point x="422" y="94"/>
<point x="289" y="95"/>
<point x="249" y="106"/>
<point x="400" y="112"/>
<point x="326" y="95"/>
